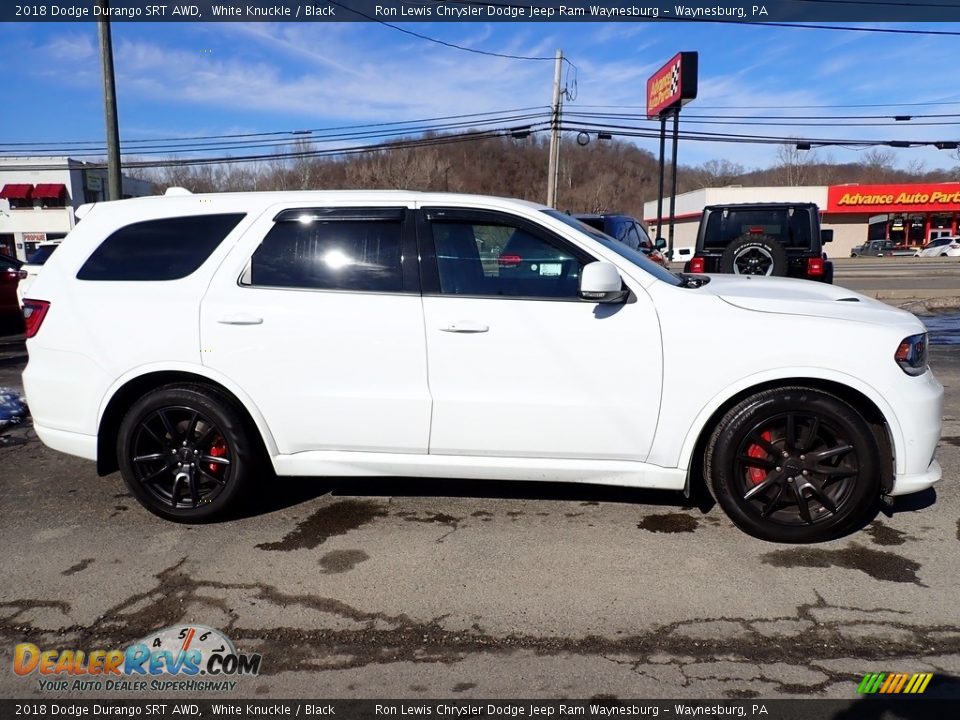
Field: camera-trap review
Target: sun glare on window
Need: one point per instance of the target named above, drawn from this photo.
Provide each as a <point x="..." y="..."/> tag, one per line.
<point x="336" y="259"/>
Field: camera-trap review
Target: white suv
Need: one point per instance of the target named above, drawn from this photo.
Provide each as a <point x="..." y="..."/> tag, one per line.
<point x="203" y="343"/>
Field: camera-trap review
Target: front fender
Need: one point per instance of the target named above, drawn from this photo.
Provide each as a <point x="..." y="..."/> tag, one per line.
<point x="791" y="376"/>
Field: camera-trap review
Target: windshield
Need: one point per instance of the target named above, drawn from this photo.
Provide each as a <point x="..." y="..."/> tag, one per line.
<point x="634" y="256"/>
<point x="41" y="254"/>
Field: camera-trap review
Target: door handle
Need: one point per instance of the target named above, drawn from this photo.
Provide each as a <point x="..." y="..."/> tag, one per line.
<point x="465" y="326"/>
<point x="240" y="319"/>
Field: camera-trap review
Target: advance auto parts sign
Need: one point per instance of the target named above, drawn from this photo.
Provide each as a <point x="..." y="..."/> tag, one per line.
<point x="674" y="84"/>
<point x="927" y="197"/>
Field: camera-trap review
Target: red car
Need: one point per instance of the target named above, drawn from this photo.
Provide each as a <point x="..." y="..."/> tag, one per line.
<point x="11" y="317"/>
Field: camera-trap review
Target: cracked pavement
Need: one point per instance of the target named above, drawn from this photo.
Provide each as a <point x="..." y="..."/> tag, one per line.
<point x="404" y="588"/>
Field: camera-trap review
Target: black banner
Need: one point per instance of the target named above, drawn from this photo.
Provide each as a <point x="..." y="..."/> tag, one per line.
<point x="760" y="11"/>
<point x="864" y="708"/>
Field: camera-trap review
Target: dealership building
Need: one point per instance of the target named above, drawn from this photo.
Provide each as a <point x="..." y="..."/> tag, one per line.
<point x="38" y="196"/>
<point x="910" y="214"/>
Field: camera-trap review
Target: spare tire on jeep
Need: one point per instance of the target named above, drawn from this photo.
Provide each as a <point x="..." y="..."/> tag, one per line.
<point x="754" y="255"/>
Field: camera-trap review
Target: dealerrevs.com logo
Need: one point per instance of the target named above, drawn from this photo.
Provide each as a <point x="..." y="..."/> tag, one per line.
<point x="187" y="658"/>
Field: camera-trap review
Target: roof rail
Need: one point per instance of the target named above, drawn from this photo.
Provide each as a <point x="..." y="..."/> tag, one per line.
<point x="82" y="210"/>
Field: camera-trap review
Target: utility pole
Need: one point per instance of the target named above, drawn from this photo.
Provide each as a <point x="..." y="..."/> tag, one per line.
<point x="109" y="103"/>
<point x="553" y="168"/>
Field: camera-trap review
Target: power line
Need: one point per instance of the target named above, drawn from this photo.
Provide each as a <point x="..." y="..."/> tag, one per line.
<point x="329" y="152"/>
<point x="309" y="131"/>
<point x="451" y="45"/>
<point x="791" y="107"/>
<point x="708" y="116"/>
<point x="702" y="135"/>
<point x="157" y="149"/>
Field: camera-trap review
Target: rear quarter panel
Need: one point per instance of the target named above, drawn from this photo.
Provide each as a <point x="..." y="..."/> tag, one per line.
<point x="95" y="331"/>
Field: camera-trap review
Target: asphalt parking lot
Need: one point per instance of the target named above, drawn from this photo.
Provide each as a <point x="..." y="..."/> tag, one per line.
<point x="400" y="588"/>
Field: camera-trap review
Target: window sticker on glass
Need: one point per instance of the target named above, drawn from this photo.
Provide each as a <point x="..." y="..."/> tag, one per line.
<point x="551" y="269"/>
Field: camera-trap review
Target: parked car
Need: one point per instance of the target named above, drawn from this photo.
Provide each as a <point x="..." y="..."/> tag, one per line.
<point x="30" y="269"/>
<point x="941" y="247"/>
<point x="882" y="248"/>
<point x="683" y="253"/>
<point x="204" y="344"/>
<point x="772" y="239"/>
<point x="11" y="319"/>
<point x="628" y="230"/>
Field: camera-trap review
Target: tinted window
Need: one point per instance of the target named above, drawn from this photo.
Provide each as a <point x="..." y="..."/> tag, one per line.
<point x="165" y="249"/>
<point x="330" y="254"/>
<point x="623" y="229"/>
<point x="505" y="261"/>
<point x="789" y="226"/>
<point x="41" y="254"/>
<point x="634" y="256"/>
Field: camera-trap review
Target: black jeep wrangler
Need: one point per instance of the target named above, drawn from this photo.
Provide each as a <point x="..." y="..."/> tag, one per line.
<point x="781" y="239"/>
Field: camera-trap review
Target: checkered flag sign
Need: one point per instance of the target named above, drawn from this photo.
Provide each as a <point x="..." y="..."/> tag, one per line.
<point x="674" y="84"/>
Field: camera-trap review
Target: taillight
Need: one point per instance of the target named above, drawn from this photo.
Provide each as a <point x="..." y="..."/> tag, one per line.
<point x="34" y="311"/>
<point x="698" y="265"/>
<point x="814" y="267"/>
<point x="509" y="261"/>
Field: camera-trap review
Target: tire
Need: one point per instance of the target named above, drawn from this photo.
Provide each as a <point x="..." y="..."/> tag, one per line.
<point x="747" y="472"/>
<point x="754" y="255"/>
<point x="186" y="454"/>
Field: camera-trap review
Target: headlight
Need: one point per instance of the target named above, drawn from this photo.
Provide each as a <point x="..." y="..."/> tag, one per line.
<point x="911" y="356"/>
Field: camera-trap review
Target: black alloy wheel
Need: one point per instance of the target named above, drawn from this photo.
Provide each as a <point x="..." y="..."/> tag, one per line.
<point x="754" y="255"/>
<point x="185" y="453"/>
<point x="794" y="465"/>
<point x="180" y="457"/>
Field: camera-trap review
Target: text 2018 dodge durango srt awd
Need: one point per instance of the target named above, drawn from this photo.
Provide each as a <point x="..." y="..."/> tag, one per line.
<point x="204" y="343"/>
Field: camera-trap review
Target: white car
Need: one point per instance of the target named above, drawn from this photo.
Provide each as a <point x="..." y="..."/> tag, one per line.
<point x="197" y="342"/>
<point x="683" y="253"/>
<point x="941" y="247"/>
<point x="30" y="269"/>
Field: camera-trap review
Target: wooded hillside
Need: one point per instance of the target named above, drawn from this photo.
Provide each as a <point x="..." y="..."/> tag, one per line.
<point x="603" y="176"/>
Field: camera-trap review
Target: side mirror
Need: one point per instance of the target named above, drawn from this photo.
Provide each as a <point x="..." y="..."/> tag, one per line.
<point x="826" y="236"/>
<point x="601" y="282"/>
<point x="661" y="243"/>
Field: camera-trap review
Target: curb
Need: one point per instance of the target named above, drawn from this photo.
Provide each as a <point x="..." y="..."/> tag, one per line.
<point x="928" y="305"/>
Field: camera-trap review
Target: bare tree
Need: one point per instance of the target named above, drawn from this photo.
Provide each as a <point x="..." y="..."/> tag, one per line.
<point x="793" y="164"/>
<point x="717" y="173"/>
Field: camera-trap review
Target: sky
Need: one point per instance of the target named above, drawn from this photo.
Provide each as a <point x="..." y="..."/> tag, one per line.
<point x="177" y="80"/>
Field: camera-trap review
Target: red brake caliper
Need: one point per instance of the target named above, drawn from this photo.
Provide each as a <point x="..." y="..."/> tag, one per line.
<point x="754" y="474"/>
<point x="218" y="449"/>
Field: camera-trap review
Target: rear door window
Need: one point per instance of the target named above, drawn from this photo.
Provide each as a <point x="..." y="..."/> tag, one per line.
<point x="164" y="249"/>
<point x="331" y="249"/>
